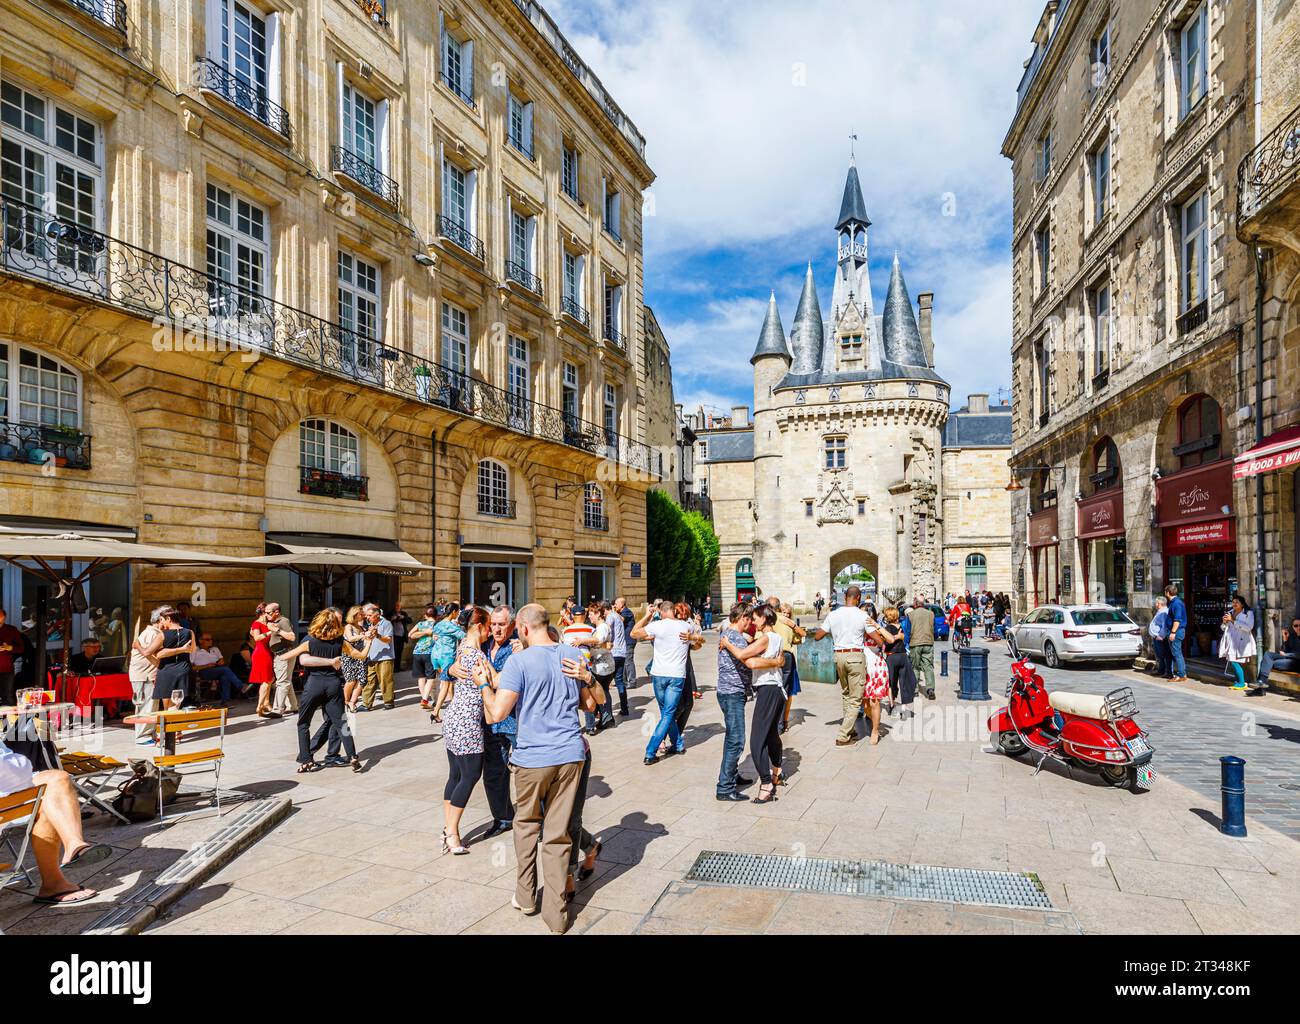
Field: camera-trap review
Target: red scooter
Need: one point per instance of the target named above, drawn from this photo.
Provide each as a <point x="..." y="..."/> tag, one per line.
<point x="1079" y="730"/>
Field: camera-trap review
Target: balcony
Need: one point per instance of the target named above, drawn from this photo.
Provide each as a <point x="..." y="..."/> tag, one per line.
<point x="44" y="444"/>
<point x="1193" y="318"/>
<point x="375" y="10"/>
<point x="459" y="91"/>
<point x="56" y="253"/>
<point x="365" y="174"/>
<point x="570" y="308"/>
<point x="456" y="232"/>
<point x="498" y="508"/>
<point x="324" y="483"/>
<point x="1267" y="174"/>
<point x="615" y="338"/>
<point x="243" y="95"/>
<point x="107" y="12"/>
<point x="518" y="146"/>
<point x="520" y="274"/>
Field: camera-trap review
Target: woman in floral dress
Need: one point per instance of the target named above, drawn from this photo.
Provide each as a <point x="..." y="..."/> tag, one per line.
<point x="354" y="669"/>
<point x="462" y="730"/>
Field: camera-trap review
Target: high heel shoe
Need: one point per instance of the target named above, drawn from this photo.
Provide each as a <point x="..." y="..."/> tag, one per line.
<point x="458" y="850"/>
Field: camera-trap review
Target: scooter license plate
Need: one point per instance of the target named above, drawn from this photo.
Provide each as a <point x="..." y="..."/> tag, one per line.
<point x="1137" y="745"/>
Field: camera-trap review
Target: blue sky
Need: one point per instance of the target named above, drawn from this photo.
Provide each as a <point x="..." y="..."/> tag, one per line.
<point x="747" y="110"/>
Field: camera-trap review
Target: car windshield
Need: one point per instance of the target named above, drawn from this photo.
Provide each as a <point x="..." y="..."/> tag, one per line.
<point x="1100" y="617"/>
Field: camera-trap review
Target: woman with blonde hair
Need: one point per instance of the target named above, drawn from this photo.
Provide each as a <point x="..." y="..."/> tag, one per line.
<point x="901" y="674"/>
<point x="354" y="669"/>
<point x="462" y="731"/>
<point x="322" y="655"/>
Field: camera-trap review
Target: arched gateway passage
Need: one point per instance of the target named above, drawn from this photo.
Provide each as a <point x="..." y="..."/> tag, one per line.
<point x="854" y="567"/>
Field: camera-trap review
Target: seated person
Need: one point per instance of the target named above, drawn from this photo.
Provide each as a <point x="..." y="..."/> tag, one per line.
<point x="211" y="667"/>
<point x="81" y="662"/>
<point x="57" y="827"/>
<point x="1285" y="660"/>
<point x="242" y="663"/>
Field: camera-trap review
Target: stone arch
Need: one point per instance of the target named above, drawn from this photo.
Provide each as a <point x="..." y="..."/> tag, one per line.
<point x="852" y="556"/>
<point x="1100" y="458"/>
<point x="1168" y="432"/>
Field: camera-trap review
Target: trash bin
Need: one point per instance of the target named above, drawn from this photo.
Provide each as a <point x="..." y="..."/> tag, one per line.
<point x="974" y="671"/>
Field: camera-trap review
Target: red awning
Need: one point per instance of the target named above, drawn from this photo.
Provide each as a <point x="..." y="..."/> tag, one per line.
<point x="1281" y="451"/>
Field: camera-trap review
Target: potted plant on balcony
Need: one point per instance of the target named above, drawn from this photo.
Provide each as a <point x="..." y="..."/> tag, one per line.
<point x="423" y="376"/>
<point x="61" y="433"/>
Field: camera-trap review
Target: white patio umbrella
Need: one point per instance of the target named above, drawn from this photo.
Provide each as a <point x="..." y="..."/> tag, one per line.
<point x="323" y="565"/>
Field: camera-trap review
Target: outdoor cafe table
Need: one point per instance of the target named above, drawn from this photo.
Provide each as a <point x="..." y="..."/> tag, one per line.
<point x="22" y="731"/>
<point x="154" y="719"/>
<point x="83" y="691"/>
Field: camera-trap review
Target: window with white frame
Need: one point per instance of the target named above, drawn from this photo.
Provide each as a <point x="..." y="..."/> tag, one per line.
<point x="455" y="339"/>
<point x="519" y="123"/>
<point x="361" y="125"/>
<point x="569" y="394"/>
<point x="37" y="389"/>
<point x="238" y="252"/>
<point x="1042" y="257"/>
<point x="518" y="380"/>
<point x="613" y="211"/>
<point x="459" y="197"/>
<point x="1100" y="314"/>
<point x="613" y="310"/>
<point x="593" y="507"/>
<point x="1043" y="156"/>
<point x="523" y="244"/>
<point x="245" y="43"/>
<point x="1194" y="251"/>
<point x="611" y="412"/>
<point x="494" y="490"/>
<point x="1043" y="359"/>
<point x="360" y="311"/>
<point x="575" y="265"/>
<point x="1099" y="172"/>
<point x="51" y="159"/>
<point x="836" y="452"/>
<point x="1099" y="56"/>
<point x="569" y="164"/>
<point x="325" y="445"/>
<point x="458" y="64"/>
<point x="1193" y="67"/>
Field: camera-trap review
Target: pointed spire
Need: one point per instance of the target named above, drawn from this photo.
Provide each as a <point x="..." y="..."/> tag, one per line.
<point x="771" y="341"/>
<point x="902" y="337"/>
<point x="807" y="337"/>
<point x="853" y="211"/>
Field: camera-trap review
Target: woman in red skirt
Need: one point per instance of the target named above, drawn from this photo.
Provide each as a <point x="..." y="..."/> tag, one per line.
<point x="262" y="671"/>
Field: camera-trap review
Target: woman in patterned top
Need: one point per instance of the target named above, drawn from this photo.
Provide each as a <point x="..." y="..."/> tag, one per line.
<point x="462" y="731"/>
<point x="354" y="669"/>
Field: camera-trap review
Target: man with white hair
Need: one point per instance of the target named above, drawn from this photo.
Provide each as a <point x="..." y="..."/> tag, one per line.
<point x="379" y="660"/>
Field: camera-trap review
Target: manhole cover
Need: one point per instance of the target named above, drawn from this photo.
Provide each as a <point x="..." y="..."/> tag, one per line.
<point x="871" y="878"/>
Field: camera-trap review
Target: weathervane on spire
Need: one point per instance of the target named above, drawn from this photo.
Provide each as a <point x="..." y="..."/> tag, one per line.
<point x="853" y="157"/>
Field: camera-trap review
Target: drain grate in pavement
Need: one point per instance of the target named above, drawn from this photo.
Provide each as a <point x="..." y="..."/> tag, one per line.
<point x="871" y="878"/>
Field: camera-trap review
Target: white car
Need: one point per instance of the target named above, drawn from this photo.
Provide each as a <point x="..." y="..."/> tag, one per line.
<point x="1087" y="632"/>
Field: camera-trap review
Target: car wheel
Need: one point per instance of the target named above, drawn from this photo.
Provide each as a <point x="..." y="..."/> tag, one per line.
<point x="1050" y="656"/>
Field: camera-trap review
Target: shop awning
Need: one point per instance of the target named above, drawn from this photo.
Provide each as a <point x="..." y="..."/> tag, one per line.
<point x="32" y="526"/>
<point x="1281" y="451"/>
<point x="47" y="548"/>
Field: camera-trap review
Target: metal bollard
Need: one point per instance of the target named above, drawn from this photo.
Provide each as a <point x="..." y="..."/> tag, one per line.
<point x="1233" y="787"/>
<point x="943" y="664"/>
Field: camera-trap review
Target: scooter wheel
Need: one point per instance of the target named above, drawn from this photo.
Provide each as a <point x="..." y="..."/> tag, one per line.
<point x="1010" y="744"/>
<point x="1117" y="776"/>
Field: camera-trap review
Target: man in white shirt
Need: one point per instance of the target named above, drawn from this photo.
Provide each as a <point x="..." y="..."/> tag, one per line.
<point x="211" y="666"/>
<point x="673" y="642"/>
<point x="142" y="671"/>
<point x="847" y="628"/>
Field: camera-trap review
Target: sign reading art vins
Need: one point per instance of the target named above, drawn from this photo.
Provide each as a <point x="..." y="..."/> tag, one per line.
<point x="1139" y="575"/>
<point x="1067" y="579"/>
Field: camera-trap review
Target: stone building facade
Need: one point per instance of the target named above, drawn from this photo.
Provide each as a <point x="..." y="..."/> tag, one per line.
<point x="976" y="504"/>
<point x="842" y="462"/>
<point x="1131" y="305"/>
<point x="359" y="273"/>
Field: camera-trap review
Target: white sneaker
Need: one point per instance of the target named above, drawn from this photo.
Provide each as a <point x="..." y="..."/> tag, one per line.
<point x="526" y="911"/>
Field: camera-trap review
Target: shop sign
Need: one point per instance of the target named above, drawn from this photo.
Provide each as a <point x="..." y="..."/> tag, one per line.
<point x="1101" y="515"/>
<point x="1067" y="579"/>
<point x="1219" y="532"/>
<point x="1043" y="529"/>
<point x="1195" y="496"/>
<point x="1020" y="580"/>
<point x="636" y="570"/>
<point x="1139" y="575"/>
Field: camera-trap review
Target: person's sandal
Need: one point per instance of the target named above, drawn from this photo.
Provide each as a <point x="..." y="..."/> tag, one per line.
<point x="769" y="798"/>
<point x="355" y="763"/>
<point x="57" y="900"/>
<point x="585" y="872"/>
<point x="307" y="767"/>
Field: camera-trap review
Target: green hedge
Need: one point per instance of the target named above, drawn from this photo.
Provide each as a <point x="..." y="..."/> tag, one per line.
<point x="682" y="550"/>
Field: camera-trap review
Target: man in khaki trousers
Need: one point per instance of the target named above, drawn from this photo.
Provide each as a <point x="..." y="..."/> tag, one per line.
<point x="847" y="628"/>
<point x="544" y="685"/>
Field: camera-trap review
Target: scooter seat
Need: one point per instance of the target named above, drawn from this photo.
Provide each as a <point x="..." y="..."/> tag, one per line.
<point x="1084" y="705"/>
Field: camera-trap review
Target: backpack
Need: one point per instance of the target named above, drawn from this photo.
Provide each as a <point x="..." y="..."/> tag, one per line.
<point x="137" y="798"/>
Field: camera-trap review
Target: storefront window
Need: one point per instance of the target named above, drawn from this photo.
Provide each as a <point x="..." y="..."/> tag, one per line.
<point x="494" y="583"/>
<point x="1199" y="432"/>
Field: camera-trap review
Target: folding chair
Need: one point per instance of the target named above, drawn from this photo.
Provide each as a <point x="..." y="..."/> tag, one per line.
<point x="93" y="775"/>
<point x="18" y="812"/>
<point x="171" y="727"/>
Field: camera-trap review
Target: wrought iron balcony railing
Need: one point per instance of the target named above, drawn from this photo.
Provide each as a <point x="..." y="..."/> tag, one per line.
<point x="519" y="147"/>
<point x="108" y="12"/>
<point x="367" y="175"/>
<point x="1269" y="170"/>
<point x="569" y="307"/>
<point x="499" y="508"/>
<point x="325" y="483"/>
<point x="462" y="93"/>
<point x="43" y="444"/>
<point x="243" y="95"/>
<point x="520" y="274"/>
<point x="1193" y="318"/>
<point x="615" y="337"/>
<point x="375" y="10"/>
<point x="454" y="231"/>
<point x="57" y="253"/>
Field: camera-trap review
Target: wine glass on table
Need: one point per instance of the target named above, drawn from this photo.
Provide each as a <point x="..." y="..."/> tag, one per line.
<point x="178" y="698"/>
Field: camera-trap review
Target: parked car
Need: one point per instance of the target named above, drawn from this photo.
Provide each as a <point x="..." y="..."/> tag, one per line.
<point x="1068" y="633"/>
<point x="940" y="622"/>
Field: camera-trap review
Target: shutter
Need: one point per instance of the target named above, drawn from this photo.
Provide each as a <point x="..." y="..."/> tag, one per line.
<point x="212" y="44"/>
<point x="381" y="137"/>
<point x="618" y="308"/>
<point x="343" y="106"/>
<point x="510" y="228"/>
<point x="274" y="59"/>
<point x="467" y="68"/>
<point x="581" y="297"/>
<point x="471" y="202"/>
<point x="530" y="244"/>
<point x="528" y="128"/>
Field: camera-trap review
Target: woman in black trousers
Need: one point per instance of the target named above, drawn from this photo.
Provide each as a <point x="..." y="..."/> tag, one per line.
<point x="769" y="704"/>
<point x="321" y="655"/>
<point x="901" y="675"/>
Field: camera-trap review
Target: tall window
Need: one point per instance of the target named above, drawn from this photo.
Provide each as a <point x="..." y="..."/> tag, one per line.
<point x="360" y="312"/>
<point x="455" y="339"/>
<point x="360" y="125"/>
<point x="35" y="389"/>
<point x="569" y="171"/>
<point x="1043" y="156"/>
<point x="977" y="573"/>
<point x="1194" y="251"/>
<point x="323" y="444"/>
<point x="458" y="65"/>
<point x="494" y="489"/>
<point x="519" y="124"/>
<point x="1099" y="301"/>
<point x="611" y="413"/>
<point x="1099" y="56"/>
<point x="459" y="189"/>
<point x="518" y="381"/>
<point x="1200" y="432"/>
<point x="836" y="451"/>
<point x="574" y="271"/>
<point x="244" y="48"/>
<point x="593" y="508"/>
<point x="1043" y="359"/>
<point x="238" y="252"/>
<point x="613" y="219"/>
<point x="1105" y="465"/>
<point x="613" y="310"/>
<point x="569" y="395"/>
<point x="51" y="159"/>
<point x="1193" y="68"/>
<point x="1042" y="257"/>
<point x="1100" y="161"/>
<point x="523" y="235"/>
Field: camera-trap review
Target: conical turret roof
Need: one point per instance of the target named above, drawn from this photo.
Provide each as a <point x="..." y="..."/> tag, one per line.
<point x="807" y="336"/>
<point x="901" y="335"/>
<point x="771" y="342"/>
<point x="853" y="210"/>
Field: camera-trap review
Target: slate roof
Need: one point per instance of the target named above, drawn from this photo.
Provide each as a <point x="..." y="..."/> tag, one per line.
<point x="977" y="430"/>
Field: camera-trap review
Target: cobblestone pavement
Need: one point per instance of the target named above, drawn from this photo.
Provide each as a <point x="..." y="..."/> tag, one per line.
<point x="1193" y="726"/>
<point x="360" y="853"/>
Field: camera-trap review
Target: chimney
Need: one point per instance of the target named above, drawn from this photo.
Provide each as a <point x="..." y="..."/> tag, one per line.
<point x="978" y="404"/>
<point x="677" y="409"/>
<point x="740" y="416"/>
<point x="925" y="301"/>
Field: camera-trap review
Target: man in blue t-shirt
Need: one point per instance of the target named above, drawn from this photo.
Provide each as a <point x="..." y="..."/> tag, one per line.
<point x="1177" y="633"/>
<point x="544" y="694"/>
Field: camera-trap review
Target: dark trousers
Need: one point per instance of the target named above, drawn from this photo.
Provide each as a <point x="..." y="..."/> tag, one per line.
<point x="765" y="736"/>
<point x="901" y="677"/>
<point x="582" y="839"/>
<point x="463" y="773"/>
<point x="1164" y="661"/>
<point x="8" y="691"/>
<point x="496" y="774"/>
<point x="399" y="645"/>
<point x="326" y="694"/>
<point x="733" y="744"/>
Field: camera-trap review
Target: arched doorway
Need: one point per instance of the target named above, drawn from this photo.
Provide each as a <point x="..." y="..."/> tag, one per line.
<point x="855" y="568"/>
<point x="1099" y="525"/>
